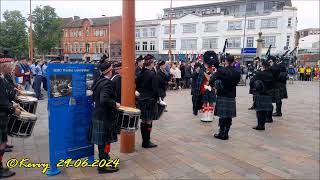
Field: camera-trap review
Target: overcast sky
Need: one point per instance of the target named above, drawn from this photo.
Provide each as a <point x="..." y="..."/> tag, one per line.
<point x="308" y="10"/>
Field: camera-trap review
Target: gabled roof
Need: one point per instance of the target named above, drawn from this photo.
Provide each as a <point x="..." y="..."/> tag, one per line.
<point x="101" y="21"/>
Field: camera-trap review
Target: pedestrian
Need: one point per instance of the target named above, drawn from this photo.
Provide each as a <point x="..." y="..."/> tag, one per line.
<point x="23" y="74"/>
<point x="263" y="84"/>
<point x="301" y="73"/>
<point x="225" y="80"/>
<point x="196" y="96"/>
<point x="147" y="86"/>
<point x="308" y="73"/>
<point x="44" y="76"/>
<point x="103" y="130"/>
<point x="37" y="80"/>
<point x="291" y="73"/>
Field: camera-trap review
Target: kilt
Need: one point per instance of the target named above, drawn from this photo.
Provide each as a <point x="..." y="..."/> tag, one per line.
<point x="225" y="107"/>
<point x="276" y="95"/>
<point x="196" y="101"/>
<point x="283" y="91"/>
<point x="149" y="110"/>
<point x="263" y="103"/>
<point x="4" y="118"/>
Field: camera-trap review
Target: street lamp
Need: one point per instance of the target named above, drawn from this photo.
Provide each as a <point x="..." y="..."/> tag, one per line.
<point x="109" y="31"/>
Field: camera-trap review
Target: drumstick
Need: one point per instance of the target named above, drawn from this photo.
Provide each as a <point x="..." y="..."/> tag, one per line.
<point x="21" y="108"/>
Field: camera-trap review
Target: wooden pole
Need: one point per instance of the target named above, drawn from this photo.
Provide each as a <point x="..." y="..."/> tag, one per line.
<point x="127" y="139"/>
<point x="170" y="26"/>
<point x="30" y="36"/>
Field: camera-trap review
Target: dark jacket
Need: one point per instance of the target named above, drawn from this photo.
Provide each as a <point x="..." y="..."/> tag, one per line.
<point x="116" y="79"/>
<point x="163" y="79"/>
<point x="104" y="112"/>
<point x="275" y="70"/>
<point x="7" y="95"/>
<point x="138" y="70"/>
<point x="194" y="83"/>
<point x="147" y="85"/>
<point x="230" y="79"/>
<point x="187" y="72"/>
<point x="182" y="69"/>
<point x="267" y="79"/>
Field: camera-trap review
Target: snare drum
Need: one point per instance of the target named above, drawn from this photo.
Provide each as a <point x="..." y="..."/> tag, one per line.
<point x="128" y="118"/>
<point x="28" y="93"/>
<point x="28" y="103"/>
<point x="21" y="126"/>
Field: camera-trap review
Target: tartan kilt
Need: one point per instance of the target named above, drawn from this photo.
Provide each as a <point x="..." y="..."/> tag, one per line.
<point x="276" y="95"/>
<point x="283" y="91"/>
<point x="149" y="110"/>
<point x="102" y="132"/>
<point x="263" y="103"/>
<point x="4" y="118"/>
<point x="225" y="107"/>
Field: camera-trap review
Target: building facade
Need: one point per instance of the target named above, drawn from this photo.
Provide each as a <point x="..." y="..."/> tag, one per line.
<point x="309" y="31"/>
<point x="196" y="29"/>
<point x="147" y="41"/>
<point x="88" y="39"/>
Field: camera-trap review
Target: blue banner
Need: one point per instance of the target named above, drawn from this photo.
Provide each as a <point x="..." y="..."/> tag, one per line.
<point x="69" y="110"/>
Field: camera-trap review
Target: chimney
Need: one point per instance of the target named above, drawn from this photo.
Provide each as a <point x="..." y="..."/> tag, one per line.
<point x="76" y="18"/>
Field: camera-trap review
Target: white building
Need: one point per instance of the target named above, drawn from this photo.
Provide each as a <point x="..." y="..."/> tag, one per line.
<point x="199" y="28"/>
<point x="147" y="41"/>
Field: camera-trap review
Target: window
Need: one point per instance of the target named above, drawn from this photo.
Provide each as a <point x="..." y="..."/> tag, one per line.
<point x="80" y="33"/>
<point x="166" y="29"/>
<point x="66" y="34"/>
<point x="80" y="47"/>
<point x="210" y="27"/>
<point x="269" y="23"/>
<point x="235" y="25"/>
<point x="250" y="41"/>
<point x="137" y="46"/>
<point x="234" y="42"/>
<point x="152" y="32"/>
<point x="166" y="44"/>
<point x="288" y="41"/>
<point x="232" y="10"/>
<point x="145" y="32"/>
<point x="251" y="7"/>
<point x="189" y="28"/>
<point x="87" y="32"/>
<point x="152" y="45"/>
<point x="269" y="40"/>
<point x="101" y="33"/>
<point x="97" y="32"/>
<point x="251" y="24"/>
<point x="87" y="48"/>
<point x="210" y="43"/>
<point x="144" y="46"/>
<point x="289" y="22"/>
<point x="188" y="44"/>
<point x="268" y="5"/>
<point x="137" y="33"/>
<point x="101" y="48"/>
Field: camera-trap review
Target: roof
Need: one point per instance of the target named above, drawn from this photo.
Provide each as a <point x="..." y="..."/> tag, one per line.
<point x="101" y="21"/>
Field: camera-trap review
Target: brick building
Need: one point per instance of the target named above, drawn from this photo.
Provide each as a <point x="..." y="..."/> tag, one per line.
<point x="88" y="39"/>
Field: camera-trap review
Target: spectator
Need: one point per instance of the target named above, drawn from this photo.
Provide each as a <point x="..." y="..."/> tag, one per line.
<point x="187" y="75"/>
<point x="176" y="73"/>
<point x="301" y="73"/>
<point x="38" y="80"/>
<point x="44" y="76"/>
<point x="23" y="72"/>
<point x="291" y="73"/>
<point x="308" y="73"/>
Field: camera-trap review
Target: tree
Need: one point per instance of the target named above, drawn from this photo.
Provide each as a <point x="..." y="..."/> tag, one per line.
<point x="47" y="29"/>
<point x="13" y="34"/>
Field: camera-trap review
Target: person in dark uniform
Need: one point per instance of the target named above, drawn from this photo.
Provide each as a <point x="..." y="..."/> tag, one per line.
<point x="263" y="84"/>
<point x="225" y="80"/>
<point x="279" y="92"/>
<point x="196" y="101"/>
<point x="7" y="95"/>
<point x="163" y="78"/>
<point x="116" y="79"/>
<point x="97" y="71"/>
<point x="104" y="128"/>
<point x="139" y="62"/>
<point x="147" y="85"/>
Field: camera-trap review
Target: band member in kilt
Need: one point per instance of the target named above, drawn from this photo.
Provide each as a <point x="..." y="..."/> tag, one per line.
<point x="163" y="78"/>
<point x="139" y="62"/>
<point x="280" y="90"/>
<point x="104" y="127"/>
<point x="225" y="80"/>
<point x="147" y="85"/>
<point x="116" y="79"/>
<point x="263" y="84"/>
<point x="7" y="95"/>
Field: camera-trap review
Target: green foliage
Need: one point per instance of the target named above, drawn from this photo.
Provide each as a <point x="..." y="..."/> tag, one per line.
<point x="47" y="29"/>
<point x="13" y="34"/>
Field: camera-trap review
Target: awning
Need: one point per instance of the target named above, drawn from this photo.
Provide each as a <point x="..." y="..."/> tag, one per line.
<point x="97" y="57"/>
<point x="75" y="56"/>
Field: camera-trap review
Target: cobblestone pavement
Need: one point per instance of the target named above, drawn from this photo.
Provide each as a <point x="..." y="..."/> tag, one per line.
<point x="288" y="149"/>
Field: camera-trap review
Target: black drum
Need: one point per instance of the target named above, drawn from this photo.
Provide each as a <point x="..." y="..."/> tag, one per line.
<point x="128" y="118"/>
<point x="161" y="107"/>
<point x="28" y="103"/>
<point x="21" y="126"/>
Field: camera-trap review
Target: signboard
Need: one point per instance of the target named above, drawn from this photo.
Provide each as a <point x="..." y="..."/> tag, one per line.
<point x="69" y="109"/>
<point x="248" y="50"/>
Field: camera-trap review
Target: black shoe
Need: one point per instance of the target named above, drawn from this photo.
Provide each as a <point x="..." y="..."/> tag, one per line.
<point x="165" y="110"/>
<point x="269" y="121"/>
<point x="9" y="146"/>
<point x="220" y="136"/>
<point x="149" y="145"/>
<point x="103" y="170"/>
<point x="195" y="113"/>
<point x="8" y="149"/>
<point x="251" y="108"/>
<point x="259" y="128"/>
<point x="277" y="114"/>
<point x="5" y="173"/>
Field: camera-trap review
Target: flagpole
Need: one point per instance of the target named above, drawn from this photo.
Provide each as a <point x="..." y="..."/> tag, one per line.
<point x="170" y="25"/>
<point x="30" y="36"/>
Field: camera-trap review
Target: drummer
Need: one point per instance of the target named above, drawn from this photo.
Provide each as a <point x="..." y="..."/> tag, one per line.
<point x="116" y="79"/>
<point x="7" y="95"/>
<point x="104" y="131"/>
<point x="147" y="86"/>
